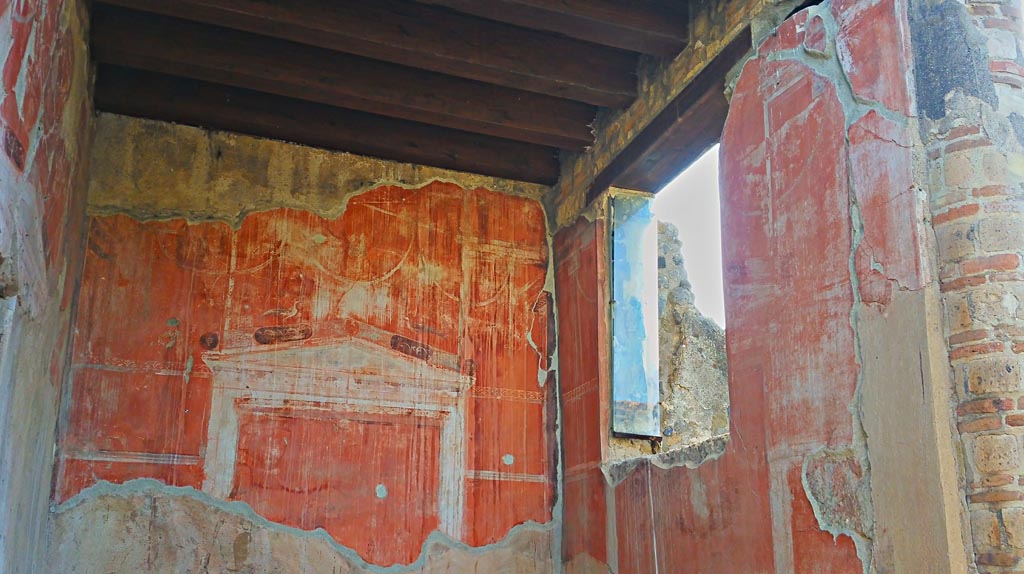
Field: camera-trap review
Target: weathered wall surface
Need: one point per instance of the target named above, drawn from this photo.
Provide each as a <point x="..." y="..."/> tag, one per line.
<point x="972" y="112"/>
<point x="44" y="135"/>
<point x="146" y="527"/>
<point x="837" y="365"/>
<point x="583" y="291"/>
<point x="694" y="377"/>
<point x="621" y="495"/>
<point x="344" y="345"/>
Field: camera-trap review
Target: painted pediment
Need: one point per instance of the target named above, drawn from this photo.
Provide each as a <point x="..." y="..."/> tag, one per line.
<point x="338" y="358"/>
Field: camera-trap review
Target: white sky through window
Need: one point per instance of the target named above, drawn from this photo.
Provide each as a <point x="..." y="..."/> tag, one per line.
<point x="691" y="203"/>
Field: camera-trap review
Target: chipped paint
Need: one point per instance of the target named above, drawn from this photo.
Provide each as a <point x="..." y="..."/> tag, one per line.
<point x="45" y="129"/>
<point x="112" y="526"/>
<point x="400" y="320"/>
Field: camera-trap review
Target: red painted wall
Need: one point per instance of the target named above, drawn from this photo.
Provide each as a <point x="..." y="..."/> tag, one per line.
<point x="581" y="284"/>
<point x="44" y="136"/>
<point x="408" y="291"/>
<point x="818" y="219"/>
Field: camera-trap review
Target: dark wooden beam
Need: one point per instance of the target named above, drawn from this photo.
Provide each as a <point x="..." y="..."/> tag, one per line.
<point x="430" y="38"/>
<point x="657" y="27"/>
<point x="210" y="53"/>
<point x="147" y="94"/>
<point x="689" y="125"/>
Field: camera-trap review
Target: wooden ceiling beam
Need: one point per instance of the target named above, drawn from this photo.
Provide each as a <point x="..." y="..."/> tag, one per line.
<point x="687" y="127"/>
<point x="209" y="53"/>
<point x="158" y="96"/>
<point x="430" y="38"/>
<point x="656" y="27"/>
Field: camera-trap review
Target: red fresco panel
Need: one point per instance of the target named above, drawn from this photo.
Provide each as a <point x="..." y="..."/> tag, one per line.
<point x="493" y="503"/>
<point x="354" y="475"/>
<point x="865" y="27"/>
<point x="581" y="309"/>
<point x="110" y="408"/>
<point x="169" y="279"/>
<point x="790" y="343"/>
<point x="36" y="117"/>
<point x="503" y="441"/>
<point x="634" y="523"/>
<point x="881" y="162"/>
<point x="808" y="228"/>
<point x="452" y="274"/>
<point x="578" y="283"/>
<point x="79" y="474"/>
<point x="585" y="516"/>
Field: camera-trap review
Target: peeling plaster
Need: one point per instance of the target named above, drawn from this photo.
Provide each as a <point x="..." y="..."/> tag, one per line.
<point x="105" y="502"/>
<point x="130" y="182"/>
<point x="156" y="170"/>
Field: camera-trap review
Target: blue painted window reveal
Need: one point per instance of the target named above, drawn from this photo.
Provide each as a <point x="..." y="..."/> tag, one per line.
<point x="635" y="387"/>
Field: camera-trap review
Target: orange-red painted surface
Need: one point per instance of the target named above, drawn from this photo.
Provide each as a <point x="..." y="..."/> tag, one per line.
<point x="797" y="186"/>
<point x="580" y="281"/>
<point x="377" y="375"/>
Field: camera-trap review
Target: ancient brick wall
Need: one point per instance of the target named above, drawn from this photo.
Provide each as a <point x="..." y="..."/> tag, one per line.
<point x="975" y="136"/>
<point x="311" y="358"/>
<point x="44" y="136"/>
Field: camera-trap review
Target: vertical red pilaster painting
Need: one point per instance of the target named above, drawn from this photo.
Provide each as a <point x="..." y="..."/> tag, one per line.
<point x="581" y="282"/>
<point x="378" y="375"/>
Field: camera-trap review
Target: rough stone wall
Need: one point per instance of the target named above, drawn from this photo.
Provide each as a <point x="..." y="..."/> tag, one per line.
<point x="347" y="359"/>
<point x="972" y="113"/>
<point x="694" y="377"/>
<point x="44" y="135"/>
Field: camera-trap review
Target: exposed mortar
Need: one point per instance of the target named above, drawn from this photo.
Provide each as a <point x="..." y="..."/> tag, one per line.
<point x="207" y="175"/>
<point x="103" y="492"/>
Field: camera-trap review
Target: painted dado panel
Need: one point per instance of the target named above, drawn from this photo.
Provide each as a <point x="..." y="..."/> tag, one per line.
<point x="378" y="375"/>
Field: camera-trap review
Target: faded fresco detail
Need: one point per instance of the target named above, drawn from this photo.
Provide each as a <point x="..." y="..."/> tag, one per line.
<point x="831" y="330"/>
<point x="581" y="280"/>
<point x="379" y="375"/>
<point x="45" y="130"/>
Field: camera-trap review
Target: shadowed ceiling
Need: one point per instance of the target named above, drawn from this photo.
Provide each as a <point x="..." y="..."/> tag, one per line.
<point x="495" y="87"/>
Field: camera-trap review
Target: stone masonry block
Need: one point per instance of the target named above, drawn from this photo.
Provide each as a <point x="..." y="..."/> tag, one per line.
<point x="991" y="374"/>
<point x="956" y="240"/>
<point x="959" y="168"/>
<point x="958" y="312"/>
<point x="1013" y="520"/>
<point x="1002" y="232"/>
<point x="991" y="305"/>
<point x="996" y="453"/>
<point x="994" y="166"/>
<point x="985" y="528"/>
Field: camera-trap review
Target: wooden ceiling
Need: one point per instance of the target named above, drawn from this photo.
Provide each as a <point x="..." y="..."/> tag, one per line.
<point x="495" y="87"/>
